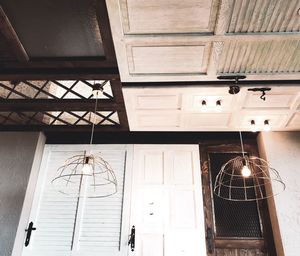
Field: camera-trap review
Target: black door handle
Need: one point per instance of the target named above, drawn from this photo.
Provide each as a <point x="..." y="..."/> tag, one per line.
<point x="29" y="230"/>
<point x="131" y="241"/>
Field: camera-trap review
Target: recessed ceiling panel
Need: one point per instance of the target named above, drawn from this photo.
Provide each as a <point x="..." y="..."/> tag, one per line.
<point x="166" y="16"/>
<point x="166" y="59"/>
<point x="52" y="28"/>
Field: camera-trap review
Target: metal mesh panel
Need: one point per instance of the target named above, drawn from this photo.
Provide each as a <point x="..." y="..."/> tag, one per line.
<point x="233" y="219"/>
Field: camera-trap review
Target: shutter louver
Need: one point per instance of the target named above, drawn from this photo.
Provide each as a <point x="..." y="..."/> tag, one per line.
<point x="58" y="219"/>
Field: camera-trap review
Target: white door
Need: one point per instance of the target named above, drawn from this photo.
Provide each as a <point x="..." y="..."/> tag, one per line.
<point x="167" y="207"/>
<point x="79" y="226"/>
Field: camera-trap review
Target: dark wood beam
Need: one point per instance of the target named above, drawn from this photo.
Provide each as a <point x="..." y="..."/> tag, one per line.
<point x="222" y="83"/>
<point x="116" y="88"/>
<point x="59" y="74"/>
<point x="239" y="243"/>
<point x="63" y="128"/>
<point x="36" y="105"/>
<point x="12" y="38"/>
<point x="104" y="27"/>
<point x="125" y="137"/>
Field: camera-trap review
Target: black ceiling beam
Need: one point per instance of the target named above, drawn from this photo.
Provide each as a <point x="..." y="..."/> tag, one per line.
<point x="63" y="129"/>
<point x="123" y="137"/>
<point x="59" y="74"/>
<point x="11" y="37"/>
<point x="104" y="27"/>
<point x="37" y="105"/>
<point x="222" y="83"/>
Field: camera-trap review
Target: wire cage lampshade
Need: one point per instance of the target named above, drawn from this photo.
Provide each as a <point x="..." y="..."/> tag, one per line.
<point x="87" y="175"/>
<point x="247" y="178"/>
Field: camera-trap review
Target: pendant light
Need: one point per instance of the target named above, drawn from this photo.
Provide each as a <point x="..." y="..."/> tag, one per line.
<point x="87" y="174"/>
<point x="247" y="178"/>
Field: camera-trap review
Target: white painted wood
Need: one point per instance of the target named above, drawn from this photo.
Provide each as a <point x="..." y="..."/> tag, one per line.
<point x="166" y="16"/>
<point x="166" y="59"/>
<point x="98" y="227"/>
<point x="23" y="222"/>
<point x="182" y="110"/>
<point x="262" y="41"/>
<point x="167" y="213"/>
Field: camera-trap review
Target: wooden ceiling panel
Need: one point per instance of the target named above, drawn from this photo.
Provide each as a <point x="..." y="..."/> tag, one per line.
<point x="166" y="59"/>
<point x="167" y="16"/>
<point x="56" y="28"/>
<point x="237" y="111"/>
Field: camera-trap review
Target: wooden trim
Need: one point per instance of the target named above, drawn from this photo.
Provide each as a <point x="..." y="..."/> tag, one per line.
<point x="41" y="63"/>
<point x="32" y="105"/>
<point x="104" y="27"/>
<point x="234" y="146"/>
<point x="11" y="37"/>
<point x="62" y="128"/>
<point x="116" y="88"/>
<point x="240" y="244"/>
<point x="211" y="83"/>
<point x="125" y="137"/>
<point x="59" y="74"/>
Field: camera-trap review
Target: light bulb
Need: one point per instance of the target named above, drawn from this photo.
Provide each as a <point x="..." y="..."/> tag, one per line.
<point x="87" y="167"/>
<point x="204" y="106"/>
<point x="218" y="106"/>
<point x="267" y="126"/>
<point x="246" y="172"/>
<point x="253" y="126"/>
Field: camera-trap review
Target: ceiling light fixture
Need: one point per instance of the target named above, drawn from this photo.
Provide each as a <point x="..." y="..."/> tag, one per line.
<point x="253" y="126"/>
<point x="267" y="126"/>
<point x="87" y="174"/>
<point x="203" y="106"/>
<point x="247" y="178"/>
<point x="218" y="106"/>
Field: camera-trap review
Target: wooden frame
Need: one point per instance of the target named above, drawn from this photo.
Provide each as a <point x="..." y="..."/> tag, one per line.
<point x="60" y="68"/>
<point x="267" y="244"/>
<point x="31" y="107"/>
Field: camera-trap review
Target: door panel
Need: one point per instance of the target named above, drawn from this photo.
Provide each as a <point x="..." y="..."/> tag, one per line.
<point x="82" y="226"/>
<point x="166" y="207"/>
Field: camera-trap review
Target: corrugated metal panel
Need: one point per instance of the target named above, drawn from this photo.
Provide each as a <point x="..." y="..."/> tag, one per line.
<point x="260" y="57"/>
<point x="254" y="16"/>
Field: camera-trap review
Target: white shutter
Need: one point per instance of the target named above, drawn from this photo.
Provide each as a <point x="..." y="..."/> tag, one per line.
<point x="71" y="226"/>
<point x="101" y="223"/>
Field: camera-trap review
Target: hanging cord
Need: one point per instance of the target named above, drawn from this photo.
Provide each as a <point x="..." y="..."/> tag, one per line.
<point x="242" y="144"/>
<point x="93" y="125"/>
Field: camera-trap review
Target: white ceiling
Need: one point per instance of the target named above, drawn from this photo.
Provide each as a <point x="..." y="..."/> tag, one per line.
<point x="192" y="40"/>
<point x="179" y="109"/>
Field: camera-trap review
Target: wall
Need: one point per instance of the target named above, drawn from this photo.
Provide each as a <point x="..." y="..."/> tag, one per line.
<point x="17" y="151"/>
<point x="282" y="150"/>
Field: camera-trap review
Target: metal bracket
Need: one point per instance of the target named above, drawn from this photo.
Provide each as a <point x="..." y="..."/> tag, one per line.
<point x="262" y="90"/>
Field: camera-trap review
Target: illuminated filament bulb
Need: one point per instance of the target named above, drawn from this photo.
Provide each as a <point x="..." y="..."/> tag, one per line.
<point x="267" y="126"/>
<point x="246" y="172"/>
<point x="87" y="166"/>
<point x="253" y="126"/>
<point x="218" y="106"/>
<point x="204" y="106"/>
